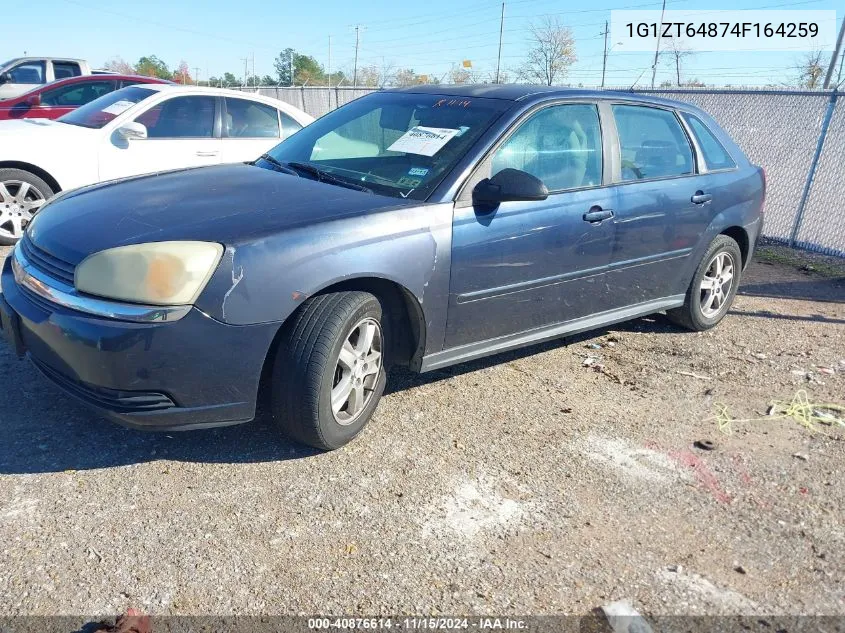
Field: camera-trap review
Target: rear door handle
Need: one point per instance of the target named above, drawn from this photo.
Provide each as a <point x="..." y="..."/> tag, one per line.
<point x="596" y="215"/>
<point x="699" y="197"/>
<point x="209" y="153"/>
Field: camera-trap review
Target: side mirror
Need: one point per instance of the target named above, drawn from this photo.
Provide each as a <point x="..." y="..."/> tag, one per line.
<point x="5" y="78"/>
<point x="509" y="185"/>
<point x="132" y="130"/>
<point x="34" y="100"/>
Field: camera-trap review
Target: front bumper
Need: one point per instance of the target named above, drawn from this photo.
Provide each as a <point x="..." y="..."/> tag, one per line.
<point x="192" y="373"/>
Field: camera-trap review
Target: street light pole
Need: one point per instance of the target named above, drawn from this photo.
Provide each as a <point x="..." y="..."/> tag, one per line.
<point x="657" y="50"/>
<point x="501" y="32"/>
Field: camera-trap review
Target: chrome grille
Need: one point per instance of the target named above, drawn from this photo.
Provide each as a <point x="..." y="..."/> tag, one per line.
<point x="47" y="263"/>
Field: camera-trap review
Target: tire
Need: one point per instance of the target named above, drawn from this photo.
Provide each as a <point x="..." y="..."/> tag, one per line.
<point x="308" y="369"/>
<point x="15" y="210"/>
<point x="699" y="312"/>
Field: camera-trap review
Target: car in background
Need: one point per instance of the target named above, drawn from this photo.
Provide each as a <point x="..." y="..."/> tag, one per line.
<point x="135" y="130"/>
<point x="455" y="222"/>
<point x="56" y="99"/>
<point x="22" y="74"/>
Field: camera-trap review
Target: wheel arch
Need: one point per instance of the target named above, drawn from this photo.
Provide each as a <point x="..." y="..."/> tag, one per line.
<point x="33" y="169"/>
<point x="740" y="236"/>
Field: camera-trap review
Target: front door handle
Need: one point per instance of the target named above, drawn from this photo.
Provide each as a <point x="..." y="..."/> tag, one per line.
<point x="596" y="215"/>
<point x="207" y="153"/>
<point x="699" y="197"/>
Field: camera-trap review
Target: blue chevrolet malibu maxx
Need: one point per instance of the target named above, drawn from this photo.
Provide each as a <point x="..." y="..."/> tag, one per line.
<point x="423" y="227"/>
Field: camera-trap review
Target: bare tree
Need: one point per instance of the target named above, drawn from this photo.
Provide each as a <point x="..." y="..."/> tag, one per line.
<point x="460" y="76"/>
<point x="552" y="52"/>
<point x="678" y="52"/>
<point x="369" y="76"/>
<point x="407" y="77"/>
<point x="810" y="69"/>
<point x="119" y="65"/>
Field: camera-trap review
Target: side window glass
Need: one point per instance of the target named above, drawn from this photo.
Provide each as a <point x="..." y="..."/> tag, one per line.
<point x="560" y="145"/>
<point x="77" y="94"/>
<point x="180" y="117"/>
<point x="289" y="126"/>
<point x="249" y="119"/>
<point x="28" y="73"/>
<point x="62" y="70"/>
<point x="652" y="143"/>
<point x="715" y="154"/>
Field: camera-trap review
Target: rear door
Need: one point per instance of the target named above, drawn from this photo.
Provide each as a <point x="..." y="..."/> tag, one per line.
<point x="59" y="101"/>
<point x="65" y="69"/>
<point x="661" y="205"/>
<point x="250" y="128"/>
<point x="182" y="131"/>
<point x="527" y="265"/>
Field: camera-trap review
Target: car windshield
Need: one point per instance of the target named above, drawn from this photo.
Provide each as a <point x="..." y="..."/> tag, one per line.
<point x="392" y="143"/>
<point x="100" y="111"/>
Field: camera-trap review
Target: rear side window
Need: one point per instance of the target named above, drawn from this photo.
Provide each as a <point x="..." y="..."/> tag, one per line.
<point x="560" y="145"/>
<point x="715" y="154"/>
<point x="63" y="70"/>
<point x="652" y="143"/>
<point x="289" y="126"/>
<point x="250" y="119"/>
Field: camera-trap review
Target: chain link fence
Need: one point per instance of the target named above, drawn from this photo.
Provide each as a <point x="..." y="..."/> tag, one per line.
<point x="798" y="137"/>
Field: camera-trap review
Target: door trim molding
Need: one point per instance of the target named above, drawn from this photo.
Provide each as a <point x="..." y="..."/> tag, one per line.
<point x="499" y="344"/>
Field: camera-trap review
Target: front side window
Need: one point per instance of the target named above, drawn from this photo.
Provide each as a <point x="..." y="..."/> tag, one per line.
<point x="63" y="70"/>
<point x="250" y="119"/>
<point x="28" y="73"/>
<point x="101" y="111"/>
<point x="395" y="144"/>
<point x="652" y="143"/>
<point x="715" y="154"/>
<point x="180" y="117"/>
<point x="76" y="95"/>
<point x="560" y="145"/>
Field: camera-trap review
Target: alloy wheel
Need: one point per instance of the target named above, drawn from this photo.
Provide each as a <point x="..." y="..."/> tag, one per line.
<point x="357" y="371"/>
<point x="716" y="284"/>
<point x="19" y="202"/>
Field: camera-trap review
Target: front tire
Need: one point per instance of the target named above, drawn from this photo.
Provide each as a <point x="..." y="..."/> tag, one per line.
<point x="329" y="371"/>
<point x="713" y="287"/>
<point x="21" y="196"/>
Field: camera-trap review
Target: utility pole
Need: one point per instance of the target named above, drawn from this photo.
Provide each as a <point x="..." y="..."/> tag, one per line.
<point x="657" y="50"/>
<point x="501" y="32"/>
<point x="290" y="66"/>
<point x="833" y="57"/>
<point x="253" y="70"/>
<point x="196" y="75"/>
<point x="329" y="78"/>
<point x="246" y="70"/>
<point x="355" y="68"/>
<point x="604" y="61"/>
<point x="841" y="64"/>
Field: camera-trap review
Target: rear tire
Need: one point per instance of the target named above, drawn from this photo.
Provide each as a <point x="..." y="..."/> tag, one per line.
<point x="329" y="371"/>
<point x="22" y="193"/>
<point x="709" y="296"/>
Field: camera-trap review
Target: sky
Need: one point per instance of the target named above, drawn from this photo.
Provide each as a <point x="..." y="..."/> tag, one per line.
<point x="429" y="37"/>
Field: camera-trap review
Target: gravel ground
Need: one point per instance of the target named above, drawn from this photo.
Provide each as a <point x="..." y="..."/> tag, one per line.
<point x="524" y="484"/>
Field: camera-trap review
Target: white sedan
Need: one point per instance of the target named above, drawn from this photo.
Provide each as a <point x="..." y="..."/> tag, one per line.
<point x="136" y="130"/>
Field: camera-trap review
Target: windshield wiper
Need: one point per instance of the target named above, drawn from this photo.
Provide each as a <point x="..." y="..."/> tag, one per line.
<point x="327" y="177"/>
<point x="278" y="165"/>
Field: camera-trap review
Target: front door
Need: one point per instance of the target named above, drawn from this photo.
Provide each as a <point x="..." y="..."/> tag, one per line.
<point x="23" y="77"/>
<point x="526" y="265"/>
<point x="181" y="132"/>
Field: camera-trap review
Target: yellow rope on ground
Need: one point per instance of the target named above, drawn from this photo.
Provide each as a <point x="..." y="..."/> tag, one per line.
<point x="808" y="414"/>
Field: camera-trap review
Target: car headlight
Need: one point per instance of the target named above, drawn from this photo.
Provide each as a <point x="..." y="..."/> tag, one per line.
<point x="156" y="273"/>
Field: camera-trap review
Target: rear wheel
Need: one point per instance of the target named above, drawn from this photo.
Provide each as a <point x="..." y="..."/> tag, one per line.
<point x="713" y="286"/>
<point x="329" y="371"/>
<point x="21" y="196"/>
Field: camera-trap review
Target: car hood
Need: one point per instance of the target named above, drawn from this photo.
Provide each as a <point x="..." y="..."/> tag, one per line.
<point x="229" y="204"/>
<point x="38" y="131"/>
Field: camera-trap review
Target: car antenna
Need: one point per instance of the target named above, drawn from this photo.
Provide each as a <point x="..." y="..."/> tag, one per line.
<point x="637" y="80"/>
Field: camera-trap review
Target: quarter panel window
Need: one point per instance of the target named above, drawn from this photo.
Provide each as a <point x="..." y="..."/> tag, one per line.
<point x="77" y="94"/>
<point x="652" y="143"/>
<point x="715" y="154"/>
<point x="28" y="73"/>
<point x="63" y="70"/>
<point x="289" y="126"/>
<point x="180" y="117"/>
<point x="250" y="119"/>
<point x="560" y="145"/>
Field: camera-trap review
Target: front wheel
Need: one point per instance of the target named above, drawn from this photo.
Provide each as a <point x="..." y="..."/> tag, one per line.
<point x="713" y="287"/>
<point x="329" y="371"/>
<point x="21" y="196"/>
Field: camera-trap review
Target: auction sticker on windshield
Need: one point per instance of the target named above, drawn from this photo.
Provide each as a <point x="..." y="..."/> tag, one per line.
<point x="423" y="141"/>
<point x="118" y="107"/>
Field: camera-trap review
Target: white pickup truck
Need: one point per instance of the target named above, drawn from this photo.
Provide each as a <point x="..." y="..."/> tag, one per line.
<point x="25" y="73"/>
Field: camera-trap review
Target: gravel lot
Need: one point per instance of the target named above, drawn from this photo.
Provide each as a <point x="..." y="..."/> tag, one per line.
<point x="524" y="484"/>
